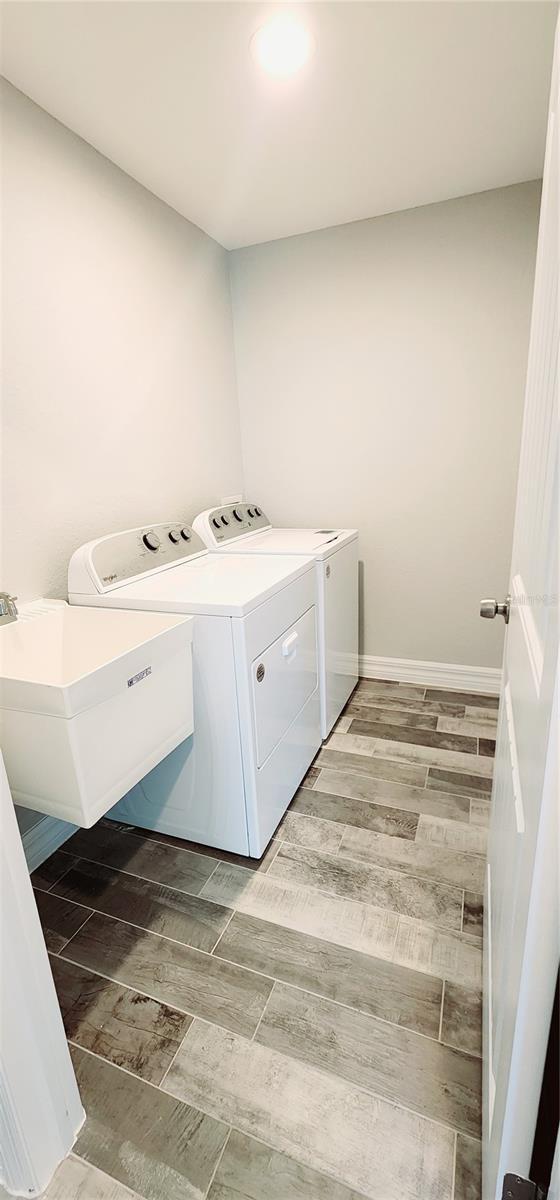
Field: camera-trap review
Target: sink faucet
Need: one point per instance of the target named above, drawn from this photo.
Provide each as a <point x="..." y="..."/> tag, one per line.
<point x="8" y="608"/>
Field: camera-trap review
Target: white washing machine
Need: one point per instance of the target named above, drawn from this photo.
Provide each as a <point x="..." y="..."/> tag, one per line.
<point x="255" y="679"/>
<point x="245" y="529"/>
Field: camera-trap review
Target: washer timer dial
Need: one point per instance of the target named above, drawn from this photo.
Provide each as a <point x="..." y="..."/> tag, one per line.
<point x="151" y="541"/>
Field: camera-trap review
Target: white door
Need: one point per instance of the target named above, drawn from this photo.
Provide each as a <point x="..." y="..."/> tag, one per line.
<point x="40" y="1106"/>
<point x="521" y="919"/>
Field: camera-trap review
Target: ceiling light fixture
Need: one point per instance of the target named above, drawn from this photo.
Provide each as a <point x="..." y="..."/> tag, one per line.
<point x="282" y="47"/>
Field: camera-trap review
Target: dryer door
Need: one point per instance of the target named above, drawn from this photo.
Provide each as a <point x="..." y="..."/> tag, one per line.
<point x="284" y="677"/>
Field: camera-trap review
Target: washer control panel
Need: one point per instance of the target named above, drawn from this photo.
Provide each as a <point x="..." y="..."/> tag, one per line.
<point x="220" y="525"/>
<point x="120" y="557"/>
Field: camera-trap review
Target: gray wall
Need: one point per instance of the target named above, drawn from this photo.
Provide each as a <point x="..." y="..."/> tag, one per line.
<point x="381" y="371"/>
<point x="120" y="403"/>
<point x="119" y="395"/>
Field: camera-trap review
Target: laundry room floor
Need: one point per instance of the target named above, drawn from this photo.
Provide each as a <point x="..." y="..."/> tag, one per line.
<point x="308" y="1026"/>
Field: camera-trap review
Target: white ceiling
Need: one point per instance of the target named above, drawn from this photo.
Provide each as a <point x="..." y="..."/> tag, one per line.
<point x="403" y="103"/>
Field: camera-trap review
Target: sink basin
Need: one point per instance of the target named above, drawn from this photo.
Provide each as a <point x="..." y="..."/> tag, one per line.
<point x="90" y="701"/>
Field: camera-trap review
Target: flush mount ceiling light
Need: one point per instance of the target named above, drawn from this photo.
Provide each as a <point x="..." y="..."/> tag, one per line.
<point x="282" y="46"/>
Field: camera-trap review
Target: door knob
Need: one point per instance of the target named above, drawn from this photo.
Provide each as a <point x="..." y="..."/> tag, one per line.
<point x="491" y="609"/>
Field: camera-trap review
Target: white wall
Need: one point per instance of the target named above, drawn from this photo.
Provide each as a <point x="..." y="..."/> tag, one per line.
<point x="381" y="373"/>
<point x="119" y="389"/>
<point x="380" y="369"/>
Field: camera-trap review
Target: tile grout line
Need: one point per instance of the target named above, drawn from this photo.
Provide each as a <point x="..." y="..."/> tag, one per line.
<point x="394" y="804"/>
<point x="62" y="876"/>
<point x="212" y="952"/>
<point x="135" y="831"/>
<point x="274" y="980"/>
<point x="366" y="904"/>
<point x="218" y="1162"/>
<point x="376" y="779"/>
<point x="391" y="866"/>
<point x="395" y="1104"/>
<point x="148" y="996"/>
<point x="441" y="1011"/>
<point x="428" y="687"/>
<point x="266" y="1003"/>
<point x="270" y="1145"/>
<point x="372" y="867"/>
<point x="404" y="742"/>
<point x="284" y="883"/>
<point x="406" y="758"/>
<point x="143" y="928"/>
<point x="443" y="845"/>
<point x="131" y="832"/>
<point x="96" y="862"/>
<point x="179" y="1047"/>
<point x="287" y="884"/>
<point x="279" y="844"/>
<point x="68" y="940"/>
<point x="454" y="1165"/>
<point x="212" y="873"/>
<point x="408" y="706"/>
<point x="410" y="741"/>
<point x="437" y="929"/>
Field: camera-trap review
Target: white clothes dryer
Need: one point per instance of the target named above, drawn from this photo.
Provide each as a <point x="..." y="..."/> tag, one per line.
<point x="255" y="679"/>
<point x="245" y="529"/>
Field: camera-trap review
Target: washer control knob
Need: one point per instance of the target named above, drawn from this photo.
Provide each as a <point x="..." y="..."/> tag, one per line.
<point x="237" y="515"/>
<point x="151" y="541"/>
<point x="250" y="512"/>
<point x="186" y="535"/>
<point x="174" y="536"/>
<point x="216" y="522"/>
<point x="258" y="512"/>
<point x="225" y="521"/>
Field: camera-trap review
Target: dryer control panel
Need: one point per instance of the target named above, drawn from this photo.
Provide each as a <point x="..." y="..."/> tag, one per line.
<point x="220" y="525"/>
<point x="121" y="557"/>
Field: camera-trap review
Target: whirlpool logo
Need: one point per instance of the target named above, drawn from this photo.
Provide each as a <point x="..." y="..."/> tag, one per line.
<point x="139" y="675"/>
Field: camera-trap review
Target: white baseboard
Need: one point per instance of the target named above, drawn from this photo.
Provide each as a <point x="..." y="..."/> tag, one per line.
<point x="44" y="838"/>
<point x="453" y="676"/>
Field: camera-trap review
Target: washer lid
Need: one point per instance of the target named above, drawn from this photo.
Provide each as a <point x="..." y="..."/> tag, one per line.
<point x="211" y="584"/>
<point x="319" y="543"/>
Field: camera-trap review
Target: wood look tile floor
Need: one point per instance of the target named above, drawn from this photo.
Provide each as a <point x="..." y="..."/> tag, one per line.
<point x="306" y="1027"/>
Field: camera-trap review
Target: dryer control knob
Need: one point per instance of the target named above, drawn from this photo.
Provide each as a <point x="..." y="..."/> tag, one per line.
<point x="216" y="522"/>
<point x="258" y="512"/>
<point x="250" y="512"/>
<point x="151" y="541"/>
<point x="236" y="515"/>
<point x="186" y="535"/>
<point x="174" y="536"/>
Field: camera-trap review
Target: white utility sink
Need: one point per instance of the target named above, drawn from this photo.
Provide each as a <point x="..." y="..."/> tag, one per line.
<point x="90" y="701"/>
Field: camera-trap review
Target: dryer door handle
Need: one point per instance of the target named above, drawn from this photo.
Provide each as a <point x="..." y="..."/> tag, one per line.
<point x="288" y="647"/>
